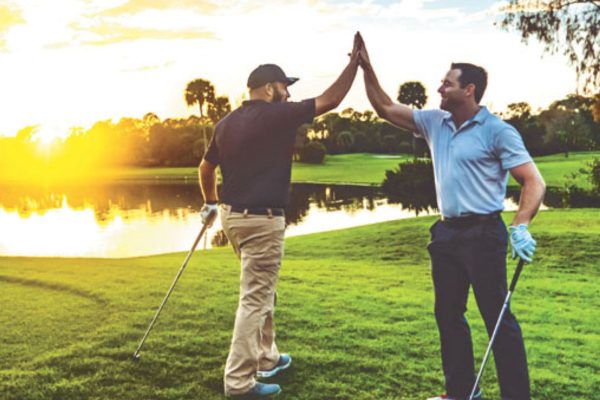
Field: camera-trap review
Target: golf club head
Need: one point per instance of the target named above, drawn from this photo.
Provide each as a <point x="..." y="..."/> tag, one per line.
<point x="136" y="357"/>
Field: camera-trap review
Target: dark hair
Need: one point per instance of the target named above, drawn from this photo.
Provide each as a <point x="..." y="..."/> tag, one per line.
<point x="472" y="74"/>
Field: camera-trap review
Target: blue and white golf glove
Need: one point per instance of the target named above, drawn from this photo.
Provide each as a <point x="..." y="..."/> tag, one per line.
<point x="208" y="213"/>
<point x="521" y="242"/>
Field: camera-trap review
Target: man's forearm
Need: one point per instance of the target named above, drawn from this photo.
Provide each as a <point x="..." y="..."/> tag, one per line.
<point x="532" y="195"/>
<point x="208" y="183"/>
<point x="333" y="96"/>
<point x="377" y="96"/>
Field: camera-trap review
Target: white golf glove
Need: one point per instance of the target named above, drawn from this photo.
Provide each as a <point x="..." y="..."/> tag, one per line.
<point x="208" y="213"/>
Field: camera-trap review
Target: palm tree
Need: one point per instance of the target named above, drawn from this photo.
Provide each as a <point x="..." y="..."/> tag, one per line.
<point x="199" y="91"/>
<point x="218" y="109"/>
<point x="413" y="94"/>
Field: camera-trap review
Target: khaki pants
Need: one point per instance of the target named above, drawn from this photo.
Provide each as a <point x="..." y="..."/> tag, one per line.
<point x="258" y="242"/>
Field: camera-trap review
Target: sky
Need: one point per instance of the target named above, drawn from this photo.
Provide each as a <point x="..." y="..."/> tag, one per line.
<point x="66" y="63"/>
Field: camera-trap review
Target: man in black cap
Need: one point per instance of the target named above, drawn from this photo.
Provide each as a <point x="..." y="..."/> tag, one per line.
<point x="253" y="146"/>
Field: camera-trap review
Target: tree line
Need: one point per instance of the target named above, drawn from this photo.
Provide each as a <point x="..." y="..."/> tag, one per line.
<point x="566" y="125"/>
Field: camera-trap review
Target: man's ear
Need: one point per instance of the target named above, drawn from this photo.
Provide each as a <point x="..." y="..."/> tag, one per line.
<point x="470" y="89"/>
<point x="269" y="90"/>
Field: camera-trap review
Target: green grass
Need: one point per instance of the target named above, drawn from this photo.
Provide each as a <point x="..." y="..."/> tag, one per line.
<point x="365" y="169"/>
<point x="357" y="169"/>
<point x="555" y="168"/>
<point x="355" y="311"/>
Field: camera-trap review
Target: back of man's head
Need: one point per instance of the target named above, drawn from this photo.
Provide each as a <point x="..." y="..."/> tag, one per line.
<point x="472" y="74"/>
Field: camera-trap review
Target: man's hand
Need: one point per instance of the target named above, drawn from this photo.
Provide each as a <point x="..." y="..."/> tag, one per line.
<point x="363" y="54"/>
<point x="521" y="242"/>
<point x="355" y="48"/>
<point x="208" y="213"/>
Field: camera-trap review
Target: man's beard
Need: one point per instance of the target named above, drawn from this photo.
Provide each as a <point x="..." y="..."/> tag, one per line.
<point x="277" y="97"/>
<point x="448" y="105"/>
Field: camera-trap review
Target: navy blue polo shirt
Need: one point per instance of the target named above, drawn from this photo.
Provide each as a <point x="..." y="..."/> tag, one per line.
<point x="253" y="145"/>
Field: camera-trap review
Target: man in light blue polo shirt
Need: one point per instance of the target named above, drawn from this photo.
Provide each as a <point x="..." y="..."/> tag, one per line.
<point x="473" y="152"/>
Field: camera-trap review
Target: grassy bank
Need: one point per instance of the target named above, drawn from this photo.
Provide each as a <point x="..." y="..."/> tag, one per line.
<point x="355" y="310"/>
<point x="556" y="167"/>
<point x="363" y="169"/>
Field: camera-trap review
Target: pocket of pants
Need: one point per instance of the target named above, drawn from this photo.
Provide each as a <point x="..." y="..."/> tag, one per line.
<point x="432" y="234"/>
<point x="495" y="234"/>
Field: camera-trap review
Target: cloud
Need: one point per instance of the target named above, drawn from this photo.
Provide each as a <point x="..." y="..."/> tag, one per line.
<point x="149" y="67"/>
<point x="131" y="7"/>
<point x="10" y="16"/>
<point x="113" y="33"/>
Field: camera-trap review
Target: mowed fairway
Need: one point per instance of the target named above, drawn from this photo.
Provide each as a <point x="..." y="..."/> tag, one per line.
<point x="355" y="311"/>
<point x="362" y="169"/>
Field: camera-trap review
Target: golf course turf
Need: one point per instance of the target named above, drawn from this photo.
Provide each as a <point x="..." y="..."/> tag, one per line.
<point x="355" y="310"/>
<point x="364" y="169"/>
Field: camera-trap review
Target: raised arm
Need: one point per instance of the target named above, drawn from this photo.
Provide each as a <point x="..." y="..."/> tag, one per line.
<point x="333" y="96"/>
<point x="398" y="114"/>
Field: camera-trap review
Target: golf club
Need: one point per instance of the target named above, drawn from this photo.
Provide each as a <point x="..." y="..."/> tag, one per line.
<point x="511" y="289"/>
<point x="209" y="220"/>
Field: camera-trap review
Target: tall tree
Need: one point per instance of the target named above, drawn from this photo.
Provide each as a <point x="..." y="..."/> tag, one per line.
<point x="567" y="26"/>
<point x="413" y="94"/>
<point x="201" y="92"/>
<point x="218" y="109"/>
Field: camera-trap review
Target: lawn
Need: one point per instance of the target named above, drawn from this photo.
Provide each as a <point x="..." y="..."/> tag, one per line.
<point x="557" y="167"/>
<point x="355" y="311"/>
<point x="363" y="169"/>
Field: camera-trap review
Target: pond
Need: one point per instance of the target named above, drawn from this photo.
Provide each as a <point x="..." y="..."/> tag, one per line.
<point x="135" y="219"/>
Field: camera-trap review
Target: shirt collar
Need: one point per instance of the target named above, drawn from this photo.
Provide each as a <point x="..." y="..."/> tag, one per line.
<point x="481" y="116"/>
<point x="247" y="103"/>
<point x="478" y="118"/>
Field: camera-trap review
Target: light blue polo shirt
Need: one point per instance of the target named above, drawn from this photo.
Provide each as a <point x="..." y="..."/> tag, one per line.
<point x="470" y="163"/>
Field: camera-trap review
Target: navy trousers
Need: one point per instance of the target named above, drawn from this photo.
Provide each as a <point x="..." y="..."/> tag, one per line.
<point x="474" y="254"/>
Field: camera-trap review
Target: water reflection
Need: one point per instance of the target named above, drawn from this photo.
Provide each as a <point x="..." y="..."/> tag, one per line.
<point x="133" y="219"/>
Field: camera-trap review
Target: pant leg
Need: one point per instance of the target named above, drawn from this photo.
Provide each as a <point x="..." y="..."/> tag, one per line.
<point x="486" y="263"/>
<point x="269" y="354"/>
<point x="260" y="243"/>
<point x="451" y="287"/>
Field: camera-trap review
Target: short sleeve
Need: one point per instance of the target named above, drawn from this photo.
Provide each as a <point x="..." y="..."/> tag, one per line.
<point x="425" y="121"/>
<point x="294" y="114"/>
<point x="510" y="148"/>
<point x="212" y="154"/>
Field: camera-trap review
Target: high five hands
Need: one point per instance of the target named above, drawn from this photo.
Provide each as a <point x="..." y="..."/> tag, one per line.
<point x="359" y="52"/>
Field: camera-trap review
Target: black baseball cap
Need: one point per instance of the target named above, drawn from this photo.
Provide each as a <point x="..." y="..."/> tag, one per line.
<point x="266" y="73"/>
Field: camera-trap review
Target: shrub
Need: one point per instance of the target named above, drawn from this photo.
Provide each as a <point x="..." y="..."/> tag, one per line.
<point x="412" y="184"/>
<point x="595" y="173"/>
<point x="344" y="141"/>
<point x="313" y="153"/>
<point x="390" y="144"/>
<point x="220" y="239"/>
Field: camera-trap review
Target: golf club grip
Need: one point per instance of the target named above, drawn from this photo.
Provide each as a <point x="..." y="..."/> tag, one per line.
<point x="515" y="278"/>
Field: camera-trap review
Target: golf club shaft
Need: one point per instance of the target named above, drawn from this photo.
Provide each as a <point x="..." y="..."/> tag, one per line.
<point x="511" y="289"/>
<point x="189" y="255"/>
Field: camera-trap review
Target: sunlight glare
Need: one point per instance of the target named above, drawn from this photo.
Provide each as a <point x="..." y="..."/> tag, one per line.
<point x="68" y="232"/>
